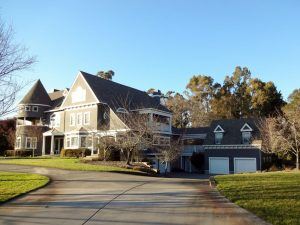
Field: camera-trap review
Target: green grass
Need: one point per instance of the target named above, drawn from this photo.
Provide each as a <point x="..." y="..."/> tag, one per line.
<point x="67" y="164"/>
<point x="274" y="196"/>
<point x="14" y="184"/>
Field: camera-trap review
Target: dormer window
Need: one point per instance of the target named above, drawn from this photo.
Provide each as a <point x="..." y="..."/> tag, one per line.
<point x="246" y="133"/>
<point x="246" y="137"/>
<point x="27" y="108"/>
<point x="122" y="110"/>
<point x="35" y="108"/>
<point x="218" y="138"/>
<point x="218" y="134"/>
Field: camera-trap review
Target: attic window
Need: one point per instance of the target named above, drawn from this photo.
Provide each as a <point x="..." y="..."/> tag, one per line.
<point x="122" y="110"/>
<point x="35" y="108"/>
<point x="27" y="108"/>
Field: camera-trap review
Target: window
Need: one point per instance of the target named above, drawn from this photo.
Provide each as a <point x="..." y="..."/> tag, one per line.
<point x="72" y="119"/>
<point x="55" y="120"/>
<point x="27" y="108"/>
<point x="35" y="108"/>
<point x="86" y="141"/>
<point x="74" y="142"/>
<point x="86" y="118"/>
<point x="122" y="110"/>
<point x="79" y="119"/>
<point x="218" y="138"/>
<point x="18" y="143"/>
<point x="246" y="137"/>
<point x="68" y="144"/>
<point x="31" y="142"/>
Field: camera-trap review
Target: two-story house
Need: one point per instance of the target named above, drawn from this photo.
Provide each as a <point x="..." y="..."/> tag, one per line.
<point x="76" y="117"/>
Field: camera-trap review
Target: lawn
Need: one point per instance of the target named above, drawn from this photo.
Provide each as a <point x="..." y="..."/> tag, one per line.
<point x="68" y="164"/>
<point x="14" y="184"/>
<point x="274" y="196"/>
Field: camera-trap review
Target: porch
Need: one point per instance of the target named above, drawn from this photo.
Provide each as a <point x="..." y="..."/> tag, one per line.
<point x="53" y="142"/>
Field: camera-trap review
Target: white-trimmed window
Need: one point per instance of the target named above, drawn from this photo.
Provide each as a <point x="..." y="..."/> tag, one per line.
<point x="79" y="119"/>
<point x="86" y="118"/>
<point x="218" y="138"/>
<point x="68" y="142"/>
<point x="35" y="108"/>
<point x="55" y="120"/>
<point x="72" y="119"/>
<point x="27" y="108"/>
<point x="31" y="143"/>
<point x="246" y="137"/>
<point x="18" y="142"/>
<point x="74" y="142"/>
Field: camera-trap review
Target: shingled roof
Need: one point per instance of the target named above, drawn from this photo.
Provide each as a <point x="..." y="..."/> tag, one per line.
<point x="232" y="130"/>
<point x="37" y="95"/>
<point x="117" y="95"/>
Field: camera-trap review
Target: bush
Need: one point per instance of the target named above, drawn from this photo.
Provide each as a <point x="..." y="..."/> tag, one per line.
<point x="81" y="152"/>
<point x="198" y="160"/>
<point x="19" y="152"/>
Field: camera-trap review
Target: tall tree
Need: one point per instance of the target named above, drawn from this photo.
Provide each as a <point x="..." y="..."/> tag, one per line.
<point x="13" y="60"/>
<point x="179" y="106"/>
<point x="108" y="75"/>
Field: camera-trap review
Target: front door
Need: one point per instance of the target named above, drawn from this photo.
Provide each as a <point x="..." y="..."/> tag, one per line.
<point x="58" y="145"/>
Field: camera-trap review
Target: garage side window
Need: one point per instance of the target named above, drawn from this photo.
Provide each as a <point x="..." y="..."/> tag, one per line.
<point x="218" y="138"/>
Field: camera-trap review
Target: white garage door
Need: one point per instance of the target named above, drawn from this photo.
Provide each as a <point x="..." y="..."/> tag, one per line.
<point x="218" y="165"/>
<point x="243" y="165"/>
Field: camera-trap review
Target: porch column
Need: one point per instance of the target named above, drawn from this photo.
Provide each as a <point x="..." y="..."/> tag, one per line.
<point x="44" y="145"/>
<point x="93" y="145"/>
<point x="52" y="145"/>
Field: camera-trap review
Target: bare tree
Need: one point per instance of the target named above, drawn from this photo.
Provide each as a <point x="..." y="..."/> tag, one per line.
<point x="105" y="145"/>
<point x="170" y="152"/>
<point x="280" y="135"/>
<point x="13" y="59"/>
<point x="138" y="137"/>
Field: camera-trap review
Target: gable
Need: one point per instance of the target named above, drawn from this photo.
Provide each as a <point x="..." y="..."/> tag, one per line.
<point x="219" y="129"/>
<point x="79" y="94"/>
<point x="246" y="127"/>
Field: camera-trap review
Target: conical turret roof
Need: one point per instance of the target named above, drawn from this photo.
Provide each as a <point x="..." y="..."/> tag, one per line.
<point x="37" y="95"/>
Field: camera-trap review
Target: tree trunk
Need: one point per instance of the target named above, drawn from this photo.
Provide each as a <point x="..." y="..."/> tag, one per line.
<point x="128" y="157"/>
<point x="297" y="160"/>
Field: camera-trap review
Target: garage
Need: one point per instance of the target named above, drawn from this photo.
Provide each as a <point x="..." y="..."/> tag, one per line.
<point x="243" y="165"/>
<point x="218" y="165"/>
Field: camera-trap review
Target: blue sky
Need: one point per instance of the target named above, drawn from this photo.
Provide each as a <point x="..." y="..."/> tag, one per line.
<point x="158" y="44"/>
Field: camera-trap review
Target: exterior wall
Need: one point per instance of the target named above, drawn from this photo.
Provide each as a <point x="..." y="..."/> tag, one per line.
<point x="93" y="119"/>
<point x="115" y="123"/>
<point x="31" y="131"/>
<point x="231" y="154"/>
<point x="88" y="96"/>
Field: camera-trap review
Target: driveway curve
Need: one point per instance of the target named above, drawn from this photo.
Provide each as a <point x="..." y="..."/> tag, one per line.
<point x="81" y="197"/>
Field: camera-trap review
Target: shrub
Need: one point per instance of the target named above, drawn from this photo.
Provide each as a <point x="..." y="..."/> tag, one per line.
<point x="81" y="152"/>
<point x="198" y="160"/>
<point x="19" y="152"/>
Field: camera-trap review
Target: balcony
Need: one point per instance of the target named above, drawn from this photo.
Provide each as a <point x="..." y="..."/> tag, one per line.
<point x="161" y="127"/>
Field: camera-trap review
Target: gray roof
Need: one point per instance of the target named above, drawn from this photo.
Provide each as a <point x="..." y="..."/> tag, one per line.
<point x="191" y="130"/>
<point x="37" y="95"/>
<point x="117" y="95"/>
<point x="232" y="130"/>
<point x="57" y="97"/>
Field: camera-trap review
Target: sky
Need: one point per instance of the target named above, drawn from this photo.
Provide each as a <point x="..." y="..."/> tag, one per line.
<point x="158" y="44"/>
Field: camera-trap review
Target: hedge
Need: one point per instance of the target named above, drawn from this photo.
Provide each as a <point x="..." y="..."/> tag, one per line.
<point x="19" y="152"/>
<point x="81" y="152"/>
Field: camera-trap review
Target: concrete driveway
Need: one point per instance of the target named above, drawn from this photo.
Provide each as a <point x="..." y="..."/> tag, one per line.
<point x="78" y="197"/>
